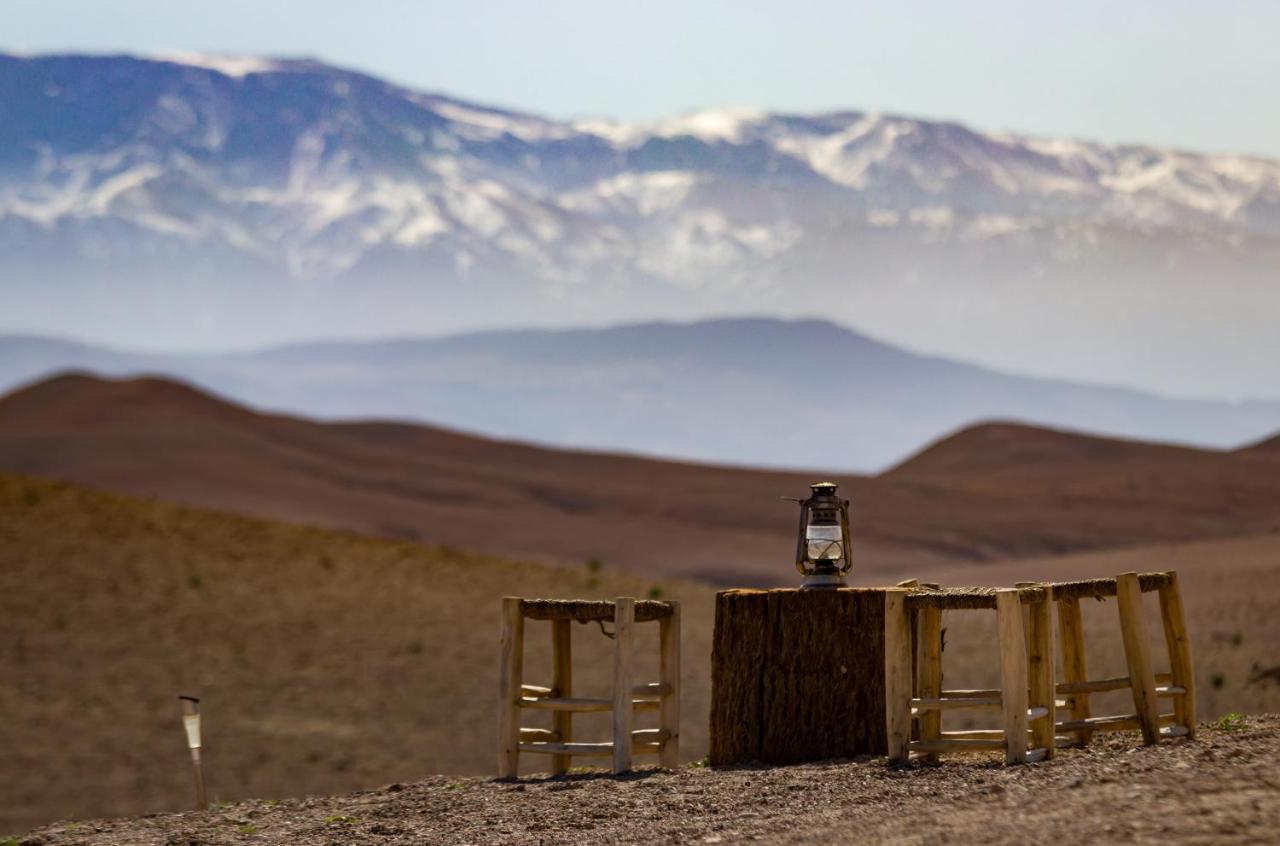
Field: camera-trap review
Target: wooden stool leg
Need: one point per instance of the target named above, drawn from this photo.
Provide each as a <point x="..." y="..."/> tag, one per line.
<point x="510" y="679"/>
<point x="1040" y="670"/>
<point x="1013" y="675"/>
<point x="1141" y="678"/>
<point x="1181" y="672"/>
<point x="897" y="673"/>
<point x="1026" y="613"/>
<point x="1074" y="666"/>
<point x="913" y="622"/>
<point x="624" y="616"/>
<point x="562" y="682"/>
<point x="669" y="675"/>
<point x="929" y="672"/>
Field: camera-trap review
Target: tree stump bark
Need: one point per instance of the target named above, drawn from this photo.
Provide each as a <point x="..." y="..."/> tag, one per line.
<point x="797" y="676"/>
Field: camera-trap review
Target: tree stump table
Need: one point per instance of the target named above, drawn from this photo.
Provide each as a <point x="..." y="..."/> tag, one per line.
<point x="797" y="675"/>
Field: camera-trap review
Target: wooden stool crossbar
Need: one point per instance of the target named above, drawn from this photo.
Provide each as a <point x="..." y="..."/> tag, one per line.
<point x="627" y="698"/>
<point x="1147" y="686"/>
<point x="1025" y="697"/>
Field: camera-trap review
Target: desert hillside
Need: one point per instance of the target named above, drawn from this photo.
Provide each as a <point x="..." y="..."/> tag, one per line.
<point x="989" y="493"/>
<point x="1269" y="447"/>
<point x="326" y="661"/>
<point x="329" y="661"/>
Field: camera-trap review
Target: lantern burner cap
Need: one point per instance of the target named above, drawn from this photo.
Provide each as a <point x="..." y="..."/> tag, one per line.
<point x="819" y="581"/>
<point x="824" y="488"/>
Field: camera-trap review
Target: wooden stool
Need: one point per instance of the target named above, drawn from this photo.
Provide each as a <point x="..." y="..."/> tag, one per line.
<point x="627" y="698"/>
<point x="1178" y="684"/>
<point x="1025" y="696"/>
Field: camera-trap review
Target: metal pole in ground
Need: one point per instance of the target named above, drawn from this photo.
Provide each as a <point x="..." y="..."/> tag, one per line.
<point x="191" y="722"/>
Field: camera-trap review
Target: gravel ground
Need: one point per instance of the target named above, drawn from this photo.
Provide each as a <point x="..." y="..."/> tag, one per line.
<point x="1224" y="787"/>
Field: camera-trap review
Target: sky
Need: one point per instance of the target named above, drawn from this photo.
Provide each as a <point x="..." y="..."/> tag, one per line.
<point x="1193" y="75"/>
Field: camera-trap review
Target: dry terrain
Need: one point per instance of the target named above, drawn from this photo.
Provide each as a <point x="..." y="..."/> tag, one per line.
<point x="344" y="657"/>
<point x="993" y="492"/>
<point x="1222" y="788"/>
<point x="328" y="661"/>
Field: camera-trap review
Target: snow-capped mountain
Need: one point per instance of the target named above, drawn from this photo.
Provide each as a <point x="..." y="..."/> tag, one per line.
<point x="219" y="201"/>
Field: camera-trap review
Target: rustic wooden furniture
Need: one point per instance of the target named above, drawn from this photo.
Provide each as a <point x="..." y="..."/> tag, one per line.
<point x="797" y="675"/>
<point x="1147" y="686"/>
<point x="913" y="674"/>
<point x="627" y="697"/>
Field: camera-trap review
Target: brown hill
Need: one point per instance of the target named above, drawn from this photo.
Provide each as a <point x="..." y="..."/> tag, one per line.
<point x="1269" y="447"/>
<point x="1002" y="448"/>
<point x="1089" y="492"/>
<point x="156" y="437"/>
<point x="990" y="492"/>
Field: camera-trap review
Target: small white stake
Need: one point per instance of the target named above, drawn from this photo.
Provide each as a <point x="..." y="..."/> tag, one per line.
<point x="191" y="722"/>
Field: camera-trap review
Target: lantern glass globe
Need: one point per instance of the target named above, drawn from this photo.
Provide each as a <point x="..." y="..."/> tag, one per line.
<point x="824" y="543"/>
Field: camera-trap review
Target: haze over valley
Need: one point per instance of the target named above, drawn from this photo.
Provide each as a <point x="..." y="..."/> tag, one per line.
<point x="802" y="394"/>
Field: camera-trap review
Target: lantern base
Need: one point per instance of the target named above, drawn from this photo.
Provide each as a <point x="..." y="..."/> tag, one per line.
<point x="817" y="581"/>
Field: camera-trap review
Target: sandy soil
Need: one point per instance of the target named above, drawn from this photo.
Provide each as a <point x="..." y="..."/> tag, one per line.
<point x="1222" y="788"/>
<point x="325" y="661"/>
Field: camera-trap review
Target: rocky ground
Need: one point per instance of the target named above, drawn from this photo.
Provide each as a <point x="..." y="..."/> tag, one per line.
<point x="1224" y="787"/>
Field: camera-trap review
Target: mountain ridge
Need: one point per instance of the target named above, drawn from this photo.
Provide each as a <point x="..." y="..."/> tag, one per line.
<point x="707" y="121"/>
<point x="172" y="202"/>
<point x="12" y="343"/>
<point x="741" y="392"/>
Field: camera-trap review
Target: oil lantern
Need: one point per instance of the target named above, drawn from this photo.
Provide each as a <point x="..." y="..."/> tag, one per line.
<point x="822" y="547"/>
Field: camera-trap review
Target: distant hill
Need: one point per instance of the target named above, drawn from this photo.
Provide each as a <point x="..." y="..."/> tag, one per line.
<point x="1167" y="491"/>
<point x="158" y="437"/>
<point x="1270" y="446"/>
<point x="990" y="493"/>
<point x="1011" y="447"/>
<point x="216" y="202"/>
<point x="756" y="392"/>
<point x="1005" y="452"/>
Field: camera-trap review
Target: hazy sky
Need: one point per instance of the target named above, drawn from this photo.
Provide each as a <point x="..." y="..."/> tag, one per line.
<point x="1201" y="75"/>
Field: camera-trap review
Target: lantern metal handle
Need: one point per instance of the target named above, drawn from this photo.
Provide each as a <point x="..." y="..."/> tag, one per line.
<point x="801" y="541"/>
